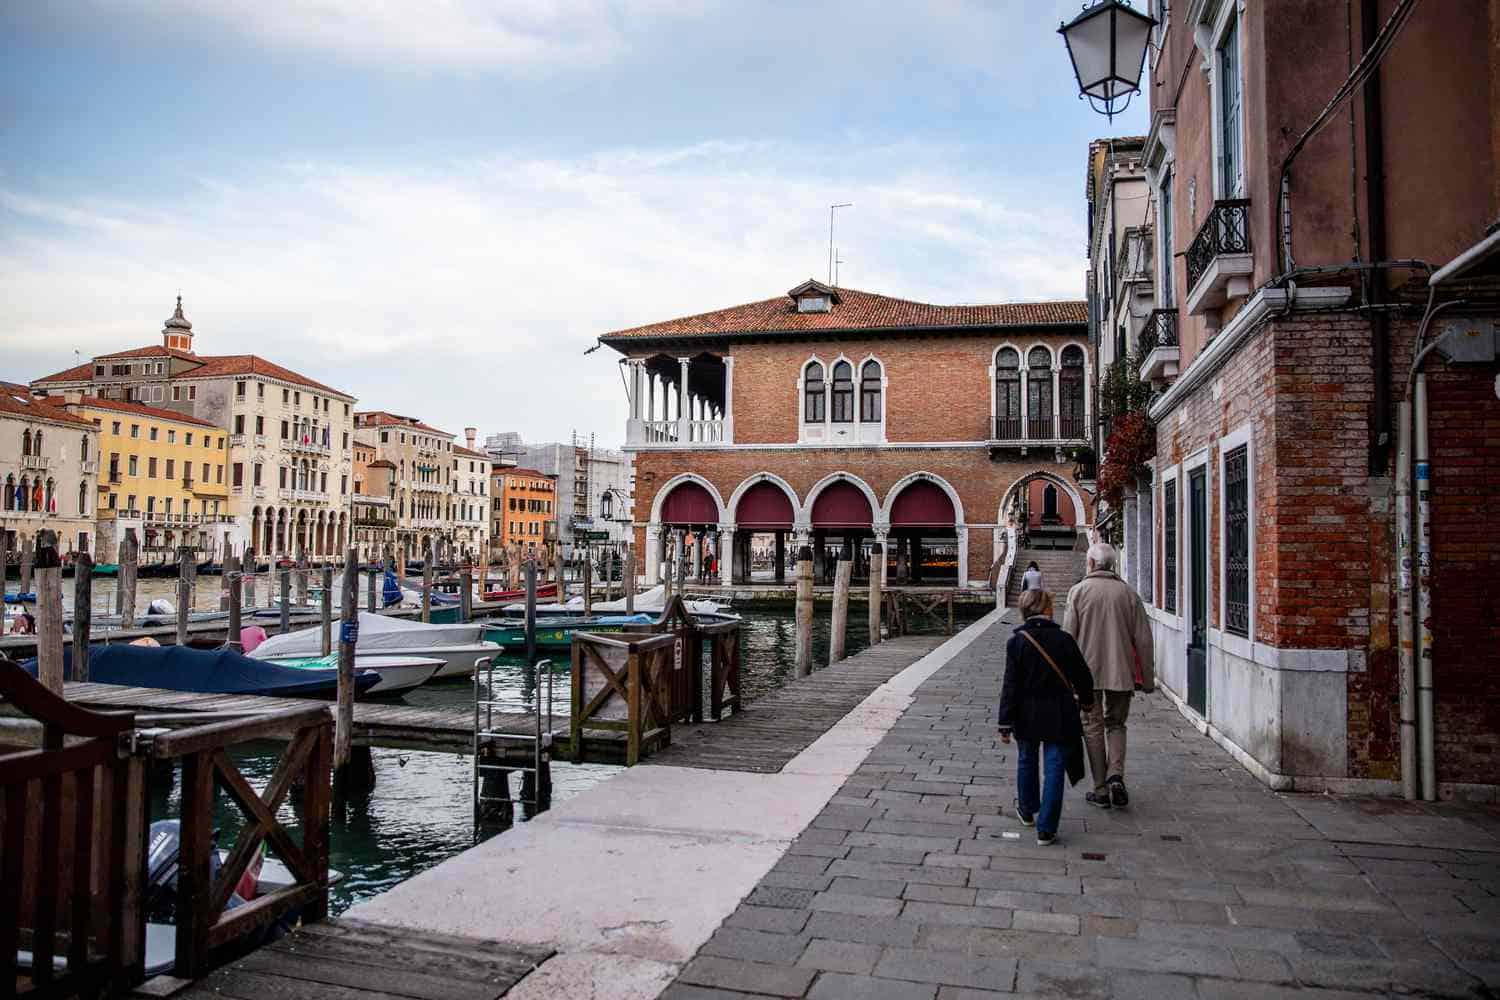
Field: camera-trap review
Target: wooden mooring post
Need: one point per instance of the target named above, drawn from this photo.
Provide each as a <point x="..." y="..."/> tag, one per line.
<point x="286" y="601"/>
<point x="466" y="594"/>
<point x="562" y="580"/>
<point x="248" y="567"/>
<point x="184" y="592"/>
<point x="301" y="576"/>
<point x="232" y="588"/>
<point x="125" y="580"/>
<point x="427" y="582"/>
<point x="877" y="567"/>
<point x="27" y="561"/>
<point x="629" y="581"/>
<point x="328" y="606"/>
<point x="838" y="633"/>
<point x="49" y="625"/>
<point x="587" y="568"/>
<point x="353" y="772"/>
<point x="804" y="616"/>
<point x="83" y="611"/>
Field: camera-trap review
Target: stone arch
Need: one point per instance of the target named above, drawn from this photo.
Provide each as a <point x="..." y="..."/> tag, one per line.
<point x="804" y="513"/>
<point x="936" y="480"/>
<point x="763" y="477"/>
<point x="1023" y="481"/>
<point x="678" y="480"/>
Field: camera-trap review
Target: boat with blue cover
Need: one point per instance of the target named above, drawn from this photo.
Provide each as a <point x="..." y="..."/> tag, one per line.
<point x="205" y="671"/>
<point x="558" y="632"/>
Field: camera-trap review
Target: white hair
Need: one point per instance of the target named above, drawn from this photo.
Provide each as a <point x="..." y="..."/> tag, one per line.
<point x="1102" y="555"/>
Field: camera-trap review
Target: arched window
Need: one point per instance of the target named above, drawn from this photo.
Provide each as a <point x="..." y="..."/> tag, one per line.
<point x="10" y="492"/>
<point x="36" y="443"/>
<point x="814" y="406"/>
<point x="1070" y="393"/>
<point x="26" y="442"/>
<point x="841" y="406"/>
<point x="1039" y="393"/>
<point x="1008" y="395"/>
<point x="83" y="451"/>
<point x="23" y="495"/>
<point x="51" y="499"/>
<point x="869" y="392"/>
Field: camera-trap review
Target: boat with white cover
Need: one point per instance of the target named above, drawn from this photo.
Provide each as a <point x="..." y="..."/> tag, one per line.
<point x="652" y="601"/>
<point x="457" y="645"/>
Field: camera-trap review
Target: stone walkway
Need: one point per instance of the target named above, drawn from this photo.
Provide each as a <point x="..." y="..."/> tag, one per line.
<point x="915" y="882"/>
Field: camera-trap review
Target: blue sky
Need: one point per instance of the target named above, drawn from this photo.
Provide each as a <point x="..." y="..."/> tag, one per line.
<point x="437" y="207"/>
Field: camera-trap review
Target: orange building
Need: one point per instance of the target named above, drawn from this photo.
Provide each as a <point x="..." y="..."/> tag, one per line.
<point x="524" y="502"/>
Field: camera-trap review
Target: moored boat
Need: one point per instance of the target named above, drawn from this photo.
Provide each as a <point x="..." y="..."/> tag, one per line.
<point x="457" y="645"/>
<point x="556" y="632"/>
<point x="397" y="674"/>
<point x="204" y="671"/>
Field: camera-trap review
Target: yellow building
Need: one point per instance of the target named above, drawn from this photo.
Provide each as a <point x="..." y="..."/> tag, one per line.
<point x="162" y="473"/>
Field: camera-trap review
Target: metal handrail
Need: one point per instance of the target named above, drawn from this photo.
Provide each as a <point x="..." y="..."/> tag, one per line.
<point x="1225" y="231"/>
<point x="1160" y="330"/>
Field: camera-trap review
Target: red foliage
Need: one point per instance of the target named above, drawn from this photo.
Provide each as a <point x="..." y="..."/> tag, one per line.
<point x="1131" y="444"/>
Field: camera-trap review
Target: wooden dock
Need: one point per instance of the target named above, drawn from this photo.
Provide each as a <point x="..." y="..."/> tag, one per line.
<point x="345" y="959"/>
<point x="381" y="724"/>
<point x="776" y="727"/>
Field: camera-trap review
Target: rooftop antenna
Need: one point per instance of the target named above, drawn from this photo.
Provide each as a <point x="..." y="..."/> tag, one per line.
<point x="831" y="208"/>
<point x="837" y="260"/>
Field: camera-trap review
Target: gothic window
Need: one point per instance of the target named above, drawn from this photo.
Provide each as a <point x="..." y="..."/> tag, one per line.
<point x="814" y="396"/>
<point x="841" y="404"/>
<point x="1007" y="395"/>
<point x="1039" y="393"/>
<point x="1070" y="393"/>
<point x="26" y="442"/>
<point x="869" y="393"/>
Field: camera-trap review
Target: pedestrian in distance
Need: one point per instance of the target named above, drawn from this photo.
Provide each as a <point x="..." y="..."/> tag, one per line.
<point x="1109" y="620"/>
<point x="1046" y="685"/>
<point x="1032" y="578"/>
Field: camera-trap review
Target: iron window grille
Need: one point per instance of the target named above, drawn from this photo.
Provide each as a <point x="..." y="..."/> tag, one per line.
<point x="1169" y="546"/>
<point x="1160" y="330"/>
<point x="1237" y="542"/>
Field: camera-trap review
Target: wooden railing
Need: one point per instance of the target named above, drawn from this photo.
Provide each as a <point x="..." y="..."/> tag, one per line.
<point x="72" y="849"/>
<point x="204" y="926"/>
<point x="646" y="679"/>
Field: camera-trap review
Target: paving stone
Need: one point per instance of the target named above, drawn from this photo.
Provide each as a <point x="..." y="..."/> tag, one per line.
<point x="748" y="977"/>
<point x="840" y="956"/>
<point x="867" y="906"/>
<point x="796" y="880"/>
<point x="681" y="991"/>
<point x="1164" y="956"/>
<point x="1004" y="943"/>
<point x="1022" y="882"/>
<point x="953" y="970"/>
<point x="953" y="894"/>
<point x="943" y="913"/>
<point x="755" y="946"/>
<point x="906" y="873"/>
<point x="868" y="886"/>
<point x="840" y="986"/>
<point x="1093" y="925"/>
<point x="1052" y="923"/>
<point x="768" y="918"/>
<point x="1226" y="989"/>
<point x="797" y="899"/>
<point x="866" y="930"/>
<point x="1078" y="981"/>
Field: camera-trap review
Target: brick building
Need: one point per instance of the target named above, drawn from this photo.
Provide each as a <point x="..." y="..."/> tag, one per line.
<point x="1295" y="264"/>
<point x="838" y="418"/>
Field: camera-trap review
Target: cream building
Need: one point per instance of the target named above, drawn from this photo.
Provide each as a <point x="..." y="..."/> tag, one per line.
<point x="49" y="462"/>
<point x="422" y="490"/>
<point x="471" y="497"/>
<point x="290" y="460"/>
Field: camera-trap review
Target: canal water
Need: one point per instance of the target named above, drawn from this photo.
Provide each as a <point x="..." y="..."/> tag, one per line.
<point x="421" y="811"/>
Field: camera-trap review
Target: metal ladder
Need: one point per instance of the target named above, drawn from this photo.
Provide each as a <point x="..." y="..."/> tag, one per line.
<point x="499" y="753"/>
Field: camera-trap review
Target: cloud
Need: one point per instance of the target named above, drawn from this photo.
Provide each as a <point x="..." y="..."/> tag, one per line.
<point x="509" y="35"/>
<point x="466" y="292"/>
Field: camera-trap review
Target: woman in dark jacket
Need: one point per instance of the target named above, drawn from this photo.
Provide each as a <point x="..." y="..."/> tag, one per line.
<point x="1040" y="706"/>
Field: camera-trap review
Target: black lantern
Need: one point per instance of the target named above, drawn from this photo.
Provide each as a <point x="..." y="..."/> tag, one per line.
<point x="1107" y="43"/>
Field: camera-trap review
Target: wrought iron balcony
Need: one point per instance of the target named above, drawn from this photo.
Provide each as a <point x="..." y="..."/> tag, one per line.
<point x="1219" y="262"/>
<point x="1159" y="350"/>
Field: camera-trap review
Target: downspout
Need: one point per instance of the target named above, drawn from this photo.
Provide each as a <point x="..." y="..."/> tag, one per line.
<point x="1413" y="558"/>
<point x="1380" y="324"/>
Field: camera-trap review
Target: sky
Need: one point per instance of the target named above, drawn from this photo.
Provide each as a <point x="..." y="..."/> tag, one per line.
<point x="439" y="206"/>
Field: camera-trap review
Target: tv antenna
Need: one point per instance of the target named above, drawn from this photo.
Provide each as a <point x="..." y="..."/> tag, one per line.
<point x="831" y="209"/>
<point x="837" y="260"/>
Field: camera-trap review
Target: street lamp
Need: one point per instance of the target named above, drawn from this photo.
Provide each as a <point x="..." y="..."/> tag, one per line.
<point x="1107" y="44"/>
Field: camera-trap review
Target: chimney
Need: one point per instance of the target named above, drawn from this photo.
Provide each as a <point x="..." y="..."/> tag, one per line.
<point x="470" y="433"/>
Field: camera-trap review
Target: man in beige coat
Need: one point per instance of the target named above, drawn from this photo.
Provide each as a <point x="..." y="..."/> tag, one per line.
<point x="1108" y="620"/>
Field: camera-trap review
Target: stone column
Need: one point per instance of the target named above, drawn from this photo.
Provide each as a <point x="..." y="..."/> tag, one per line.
<point x="882" y="538"/>
<point x="726" y="554"/>
<point x="962" y="531"/>
<point x="684" y="404"/>
<point x="729" y="399"/>
<point x="1025" y="399"/>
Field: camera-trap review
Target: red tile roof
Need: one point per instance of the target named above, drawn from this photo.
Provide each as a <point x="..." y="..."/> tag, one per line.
<point x="380" y="418"/>
<point x="36" y="409"/>
<point x="856" y="312"/>
<point x="137" y="408"/>
<point x="460" y="450"/>
<point x="208" y="366"/>
<point x="511" y="471"/>
<point x="16" y="389"/>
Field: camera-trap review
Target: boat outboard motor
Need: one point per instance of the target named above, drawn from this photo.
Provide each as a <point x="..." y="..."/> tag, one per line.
<point x="163" y="859"/>
<point x="162" y="606"/>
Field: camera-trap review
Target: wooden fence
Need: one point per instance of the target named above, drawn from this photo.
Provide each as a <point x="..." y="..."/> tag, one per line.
<point x="72" y="850"/>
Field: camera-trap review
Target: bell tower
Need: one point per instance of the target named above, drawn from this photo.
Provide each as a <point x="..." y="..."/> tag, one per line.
<point x="177" y="335"/>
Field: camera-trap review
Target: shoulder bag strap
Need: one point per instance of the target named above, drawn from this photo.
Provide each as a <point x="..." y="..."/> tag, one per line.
<point x="1051" y="663"/>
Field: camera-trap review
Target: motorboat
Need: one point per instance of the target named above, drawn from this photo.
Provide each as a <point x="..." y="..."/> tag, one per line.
<point x="653" y="601"/>
<point x="554" y="632"/>
<point x="545" y="590"/>
<point x="397" y="674"/>
<point x="457" y="645"/>
<point x="204" y="671"/>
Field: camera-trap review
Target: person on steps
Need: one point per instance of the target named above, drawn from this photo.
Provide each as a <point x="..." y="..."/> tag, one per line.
<point x="1046" y="683"/>
<point x="1109" y="620"/>
<point x="1032" y="578"/>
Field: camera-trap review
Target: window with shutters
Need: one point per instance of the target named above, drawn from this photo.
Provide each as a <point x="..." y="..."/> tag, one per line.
<point x="841" y="394"/>
<point x="814" y="394"/>
<point x="1039" y="394"/>
<point x="1007" y="394"/>
<point x="1169" y="545"/>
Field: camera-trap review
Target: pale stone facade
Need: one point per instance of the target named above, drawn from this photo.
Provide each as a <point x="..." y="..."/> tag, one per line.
<point x="49" y="465"/>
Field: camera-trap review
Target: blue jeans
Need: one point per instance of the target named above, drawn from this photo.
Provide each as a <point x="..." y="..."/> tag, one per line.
<point x="1049" y="810"/>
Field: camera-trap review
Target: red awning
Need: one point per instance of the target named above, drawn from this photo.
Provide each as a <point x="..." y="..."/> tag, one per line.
<point x="923" y="504"/>
<point x="842" y="505"/>
<point x="689" y="503"/>
<point x="764" y="508"/>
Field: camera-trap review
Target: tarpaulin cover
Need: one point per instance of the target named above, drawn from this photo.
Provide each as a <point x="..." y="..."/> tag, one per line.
<point x="689" y="503"/>
<point x="841" y="505"/>
<point x="764" y="508"/>
<point x="923" y="504"/>
<point x="377" y="634"/>
<point x="208" y="671"/>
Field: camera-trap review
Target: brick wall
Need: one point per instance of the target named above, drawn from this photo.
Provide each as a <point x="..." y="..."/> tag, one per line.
<point x="938" y="388"/>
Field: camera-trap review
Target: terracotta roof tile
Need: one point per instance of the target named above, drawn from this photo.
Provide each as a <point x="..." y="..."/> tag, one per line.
<point x="209" y="366"/>
<point x="380" y="418"/>
<point x="36" y="409"/>
<point x="136" y="408"/>
<point x="78" y="373"/>
<point x="151" y="351"/>
<point x="460" y="450"/>
<point x="525" y="473"/>
<point x="857" y="311"/>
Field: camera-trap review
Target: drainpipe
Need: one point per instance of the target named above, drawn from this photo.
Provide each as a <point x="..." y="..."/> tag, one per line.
<point x="1405" y="648"/>
<point x="1380" y="324"/>
<point x="1424" y="596"/>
